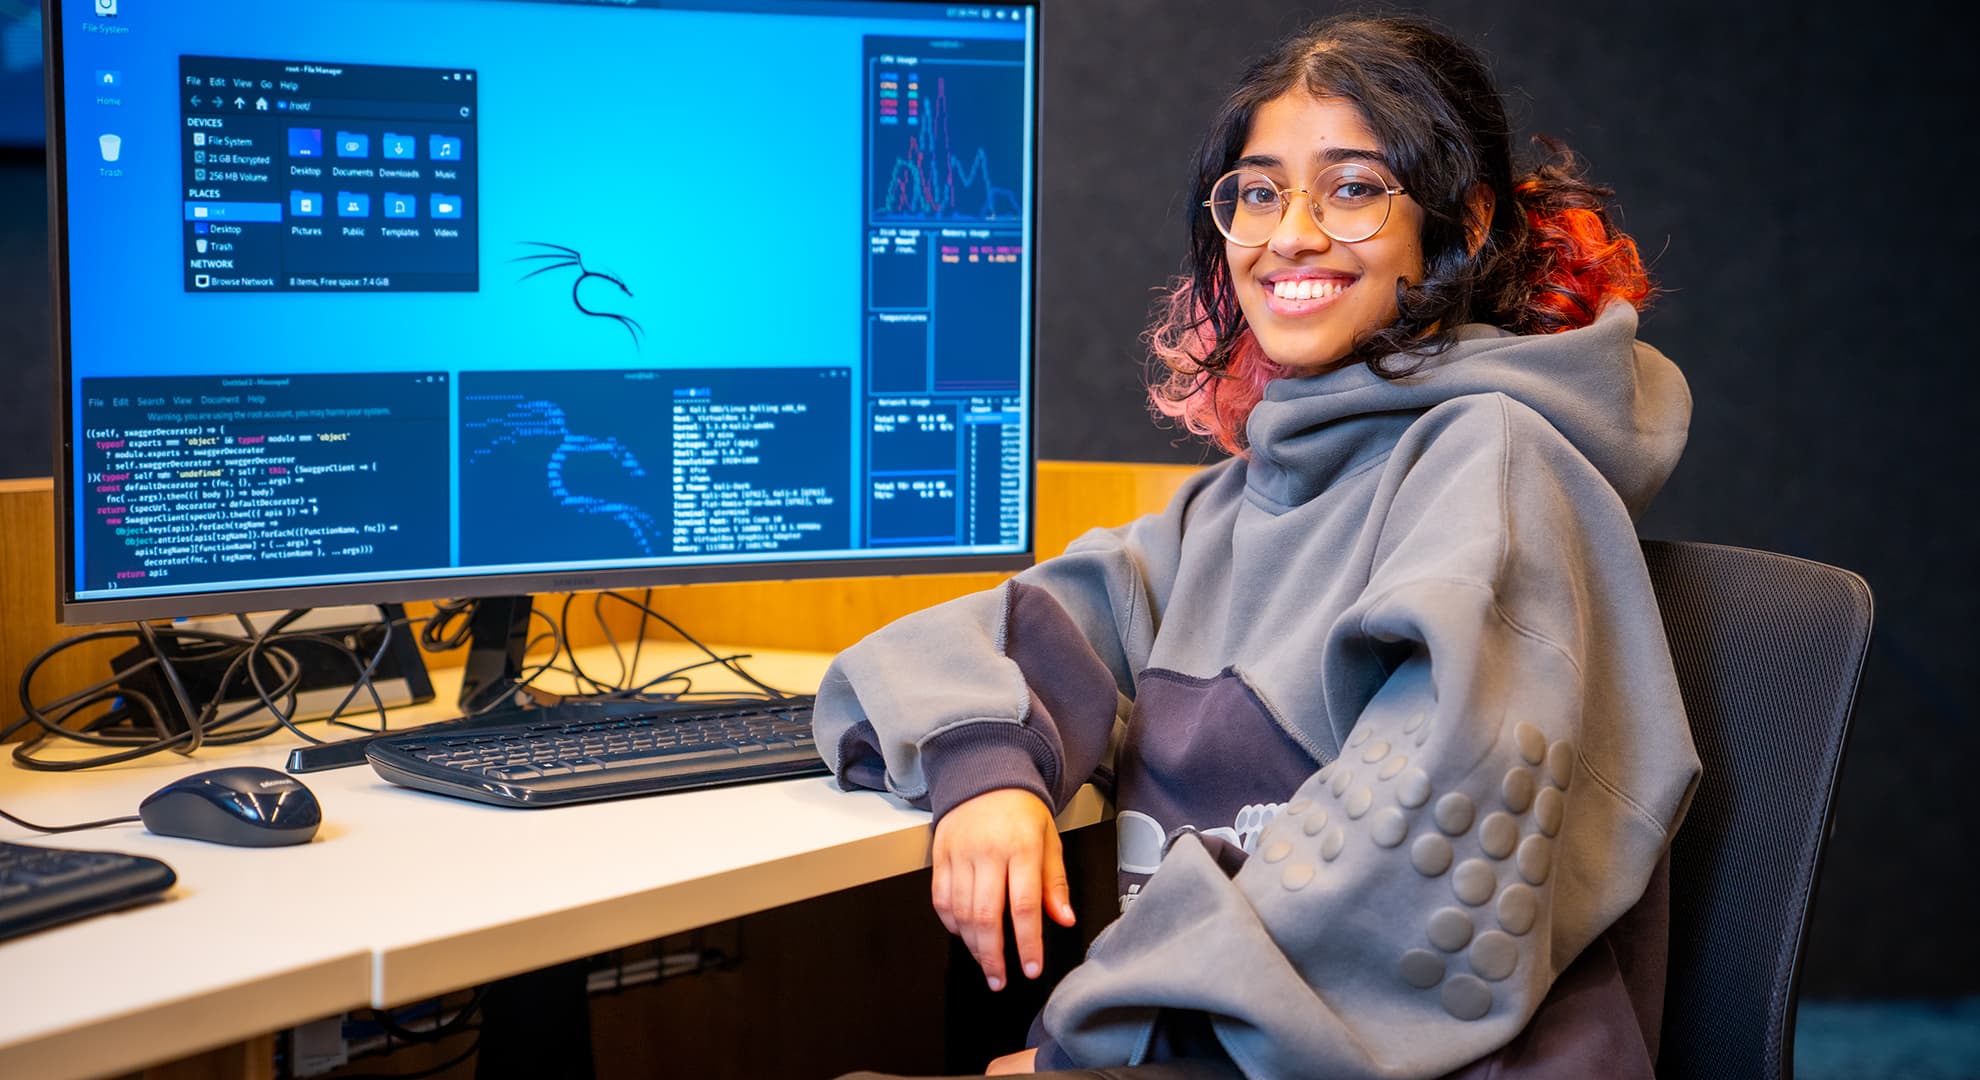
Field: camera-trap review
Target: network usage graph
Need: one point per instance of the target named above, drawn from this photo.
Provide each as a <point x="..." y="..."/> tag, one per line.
<point x="946" y="130"/>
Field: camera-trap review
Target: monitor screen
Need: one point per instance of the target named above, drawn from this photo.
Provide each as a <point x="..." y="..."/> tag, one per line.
<point x="381" y="300"/>
<point x="21" y="109"/>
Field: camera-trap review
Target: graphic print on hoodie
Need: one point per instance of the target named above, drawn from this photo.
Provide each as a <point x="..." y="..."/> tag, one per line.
<point x="1431" y="586"/>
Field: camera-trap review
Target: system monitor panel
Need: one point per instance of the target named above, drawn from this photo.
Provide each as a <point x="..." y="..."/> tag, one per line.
<point x="370" y="300"/>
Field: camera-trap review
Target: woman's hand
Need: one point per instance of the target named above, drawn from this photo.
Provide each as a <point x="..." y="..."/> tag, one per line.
<point x="1024" y="1061"/>
<point x="1001" y="843"/>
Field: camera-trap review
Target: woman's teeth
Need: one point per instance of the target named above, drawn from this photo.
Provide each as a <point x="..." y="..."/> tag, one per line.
<point x="1308" y="288"/>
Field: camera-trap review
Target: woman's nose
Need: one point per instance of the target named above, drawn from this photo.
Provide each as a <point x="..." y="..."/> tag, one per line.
<point x="1298" y="234"/>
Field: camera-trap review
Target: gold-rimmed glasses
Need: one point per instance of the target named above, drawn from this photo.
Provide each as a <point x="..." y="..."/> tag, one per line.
<point x="1349" y="202"/>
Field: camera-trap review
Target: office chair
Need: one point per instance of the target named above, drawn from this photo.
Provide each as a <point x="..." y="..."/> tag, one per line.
<point x="1768" y="650"/>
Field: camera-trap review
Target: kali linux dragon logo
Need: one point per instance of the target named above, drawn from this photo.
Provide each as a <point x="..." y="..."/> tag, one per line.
<point x="559" y="257"/>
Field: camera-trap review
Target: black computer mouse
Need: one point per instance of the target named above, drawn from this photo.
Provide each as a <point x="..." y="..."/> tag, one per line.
<point x="247" y="806"/>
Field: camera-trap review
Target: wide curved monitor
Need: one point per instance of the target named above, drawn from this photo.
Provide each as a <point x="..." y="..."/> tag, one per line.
<point x="368" y="300"/>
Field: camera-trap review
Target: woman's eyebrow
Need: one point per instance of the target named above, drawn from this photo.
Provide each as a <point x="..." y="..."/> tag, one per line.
<point x="1332" y="155"/>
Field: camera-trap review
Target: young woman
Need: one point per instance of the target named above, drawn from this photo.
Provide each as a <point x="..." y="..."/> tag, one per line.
<point x="1386" y="705"/>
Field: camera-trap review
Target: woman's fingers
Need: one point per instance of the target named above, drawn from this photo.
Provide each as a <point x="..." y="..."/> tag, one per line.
<point x="999" y="846"/>
<point x="1027" y="924"/>
<point x="940" y="896"/>
<point x="986" y="919"/>
<point x="1058" y="895"/>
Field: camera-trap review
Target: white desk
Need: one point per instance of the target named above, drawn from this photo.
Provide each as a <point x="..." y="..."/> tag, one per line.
<point x="404" y="895"/>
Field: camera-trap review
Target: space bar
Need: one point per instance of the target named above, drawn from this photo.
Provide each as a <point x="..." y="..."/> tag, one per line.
<point x="684" y="762"/>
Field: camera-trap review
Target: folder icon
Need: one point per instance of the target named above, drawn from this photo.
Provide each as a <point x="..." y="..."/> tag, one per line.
<point x="403" y="147"/>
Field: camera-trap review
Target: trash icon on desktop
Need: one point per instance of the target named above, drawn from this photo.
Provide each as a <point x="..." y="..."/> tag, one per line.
<point x="111" y="145"/>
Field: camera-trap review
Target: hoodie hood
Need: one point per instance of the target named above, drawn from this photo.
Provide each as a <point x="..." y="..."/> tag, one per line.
<point x="1622" y="404"/>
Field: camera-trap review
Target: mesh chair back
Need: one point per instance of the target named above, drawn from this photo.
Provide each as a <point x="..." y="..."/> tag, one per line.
<point x="1768" y="650"/>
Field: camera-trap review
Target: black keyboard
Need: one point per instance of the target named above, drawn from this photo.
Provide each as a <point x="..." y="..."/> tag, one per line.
<point x="42" y="886"/>
<point x="578" y="752"/>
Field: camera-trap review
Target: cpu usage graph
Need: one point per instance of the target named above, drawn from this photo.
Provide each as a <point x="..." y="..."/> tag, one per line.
<point x="946" y="130"/>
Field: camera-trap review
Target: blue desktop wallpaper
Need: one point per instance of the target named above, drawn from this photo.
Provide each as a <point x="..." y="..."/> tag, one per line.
<point x="705" y="165"/>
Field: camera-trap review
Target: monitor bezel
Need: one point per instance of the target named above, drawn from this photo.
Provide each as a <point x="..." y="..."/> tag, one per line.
<point x="73" y="611"/>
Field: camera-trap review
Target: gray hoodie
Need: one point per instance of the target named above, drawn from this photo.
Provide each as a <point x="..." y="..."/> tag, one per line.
<point x="1388" y="703"/>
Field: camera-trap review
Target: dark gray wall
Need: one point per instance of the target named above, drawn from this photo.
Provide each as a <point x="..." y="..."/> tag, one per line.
<point x="1790" y="167"/>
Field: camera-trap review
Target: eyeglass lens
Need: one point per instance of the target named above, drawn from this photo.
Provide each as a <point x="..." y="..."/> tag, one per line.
<point x="1349" y="202"/>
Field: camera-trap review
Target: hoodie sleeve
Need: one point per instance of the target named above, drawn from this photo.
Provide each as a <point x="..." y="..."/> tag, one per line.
<point x="1016" y="687"/>
<point x="1507" y="785"/>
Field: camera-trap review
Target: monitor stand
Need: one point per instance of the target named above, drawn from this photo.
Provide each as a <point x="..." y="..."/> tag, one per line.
<point x="498" y="634"/>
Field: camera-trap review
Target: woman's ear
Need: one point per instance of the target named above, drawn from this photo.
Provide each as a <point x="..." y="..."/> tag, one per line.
<point x="1478" y="208"/>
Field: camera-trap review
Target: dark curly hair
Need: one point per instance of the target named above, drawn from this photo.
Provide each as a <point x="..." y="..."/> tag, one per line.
<point x="1550" y="259"/>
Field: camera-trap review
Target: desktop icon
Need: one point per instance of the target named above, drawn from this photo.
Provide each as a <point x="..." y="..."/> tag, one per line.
<point x="109" y="80"/>
<point x="306" y="142"/>
<point x="443" y="148"/>
<point x="400" y="146"/>
<point x="106" y="8"/>
<point x="305" y="204"/>
<point x="401" y="206"/>
<point x="111" y="145"/>
<point x="353" y="144"/>
<point x="446" y="207"/>
<point x="200" y="227"/>
<point x="353" y="204"/>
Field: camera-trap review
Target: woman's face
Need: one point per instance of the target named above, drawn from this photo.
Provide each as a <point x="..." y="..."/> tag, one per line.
<point x="1353" y="286"/>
